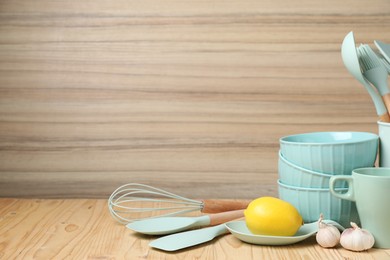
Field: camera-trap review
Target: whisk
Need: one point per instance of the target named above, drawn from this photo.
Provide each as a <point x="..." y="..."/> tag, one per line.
<point x="135" y="201"/>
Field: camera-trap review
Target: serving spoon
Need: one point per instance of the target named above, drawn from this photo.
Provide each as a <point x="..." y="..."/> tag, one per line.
<point x="351" y="62"/>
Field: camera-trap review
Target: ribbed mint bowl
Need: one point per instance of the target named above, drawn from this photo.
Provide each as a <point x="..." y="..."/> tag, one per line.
<point x="311" y="202"/>
<point x="331" y="152"/>
<point x="294" y="175"/>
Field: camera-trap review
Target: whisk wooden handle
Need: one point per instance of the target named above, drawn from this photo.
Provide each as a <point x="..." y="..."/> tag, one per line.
<point x="223" y="217"/>
<point x="217" y="205"/>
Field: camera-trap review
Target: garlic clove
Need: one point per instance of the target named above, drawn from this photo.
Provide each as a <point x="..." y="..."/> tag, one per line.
<point x="356" y="238"/>
<point x="327" y="235"/>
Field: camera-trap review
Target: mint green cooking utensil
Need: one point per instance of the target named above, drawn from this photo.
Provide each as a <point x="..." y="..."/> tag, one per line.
<point x="351" y="62"/>
<point x="384" y="54"/>
<point x="384" y="48"/>
<point x="189" y="238"/>
<point x="385" y="63"/>
<point x="136" y="201"/>
<point x="374" y="71"/>
<point x="238" y="229"/>
<point x="170" y="225"/>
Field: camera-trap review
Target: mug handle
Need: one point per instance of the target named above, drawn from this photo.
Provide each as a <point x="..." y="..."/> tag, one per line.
<point x="350" y="194"/>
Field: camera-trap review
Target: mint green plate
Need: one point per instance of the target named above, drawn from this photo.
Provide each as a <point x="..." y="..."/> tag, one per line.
<point x="240" y="230"/>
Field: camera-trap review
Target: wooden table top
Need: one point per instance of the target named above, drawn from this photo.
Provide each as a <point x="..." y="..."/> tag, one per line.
<point x="84" y="229"/>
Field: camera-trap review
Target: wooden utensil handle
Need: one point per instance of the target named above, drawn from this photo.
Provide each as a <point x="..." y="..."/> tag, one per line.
<point x="384" y="118"/>
<point x="218" y="205"/>
<point x="223" y="217"/>
<point x="386" y="100"/>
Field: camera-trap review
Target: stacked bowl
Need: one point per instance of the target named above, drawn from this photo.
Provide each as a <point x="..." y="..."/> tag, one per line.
<point x="306" y="163"/>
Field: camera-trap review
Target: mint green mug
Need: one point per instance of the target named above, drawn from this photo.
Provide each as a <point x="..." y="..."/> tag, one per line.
<point x="370" y="189"/>
<point x="384" y="146"/>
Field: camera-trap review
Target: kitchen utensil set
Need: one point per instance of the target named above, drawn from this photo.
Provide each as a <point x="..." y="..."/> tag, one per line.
<point x="123" y="203"/>
<point x="351" y="62"/>
<point x="370" y="70"/>
<point x="375" y="72"/>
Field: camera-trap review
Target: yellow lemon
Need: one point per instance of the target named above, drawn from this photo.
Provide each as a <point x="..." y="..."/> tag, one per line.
<point x="272" y="216"/>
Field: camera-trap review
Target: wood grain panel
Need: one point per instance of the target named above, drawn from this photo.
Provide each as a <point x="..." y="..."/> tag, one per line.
<point x="192" y="96"/>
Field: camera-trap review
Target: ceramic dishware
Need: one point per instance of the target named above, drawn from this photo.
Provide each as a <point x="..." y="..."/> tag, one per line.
<point x="351" y="62"/>
<point x="240" y="230"/>
<point x="170" y="225"/>
<point x="311" y="202"/>
<point x="384" y="144"/>
<point x="375" y="72"/>
<point x="370" y="189"/>
<point x="291" y="174"/>
<point x="330" y="152"/>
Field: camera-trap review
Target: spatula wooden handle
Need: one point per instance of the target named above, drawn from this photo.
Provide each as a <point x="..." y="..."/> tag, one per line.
<point x="218" y="205"/>
<point x="224" y="217"/>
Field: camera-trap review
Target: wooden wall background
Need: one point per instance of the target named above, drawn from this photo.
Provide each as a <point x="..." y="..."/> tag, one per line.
<point x="190" y="96"/>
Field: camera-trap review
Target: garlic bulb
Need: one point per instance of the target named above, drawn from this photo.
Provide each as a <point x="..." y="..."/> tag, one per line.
<point x="327" y="235"/>
<point x="356" y="239"/>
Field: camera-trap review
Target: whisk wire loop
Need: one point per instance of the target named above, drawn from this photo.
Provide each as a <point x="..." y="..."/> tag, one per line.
<point x="124" y="203"/>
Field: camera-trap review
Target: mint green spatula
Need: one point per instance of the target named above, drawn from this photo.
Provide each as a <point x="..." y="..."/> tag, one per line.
<point x="384" y="48"/>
